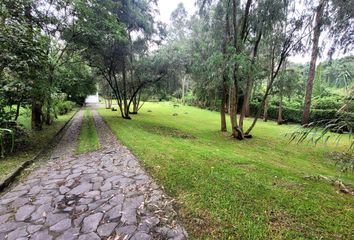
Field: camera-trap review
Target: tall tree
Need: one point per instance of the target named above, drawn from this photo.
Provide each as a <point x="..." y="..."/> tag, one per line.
<point x="314" y="53"/>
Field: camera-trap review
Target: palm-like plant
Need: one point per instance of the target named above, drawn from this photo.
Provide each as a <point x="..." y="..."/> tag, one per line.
<point x="342" y="124"/>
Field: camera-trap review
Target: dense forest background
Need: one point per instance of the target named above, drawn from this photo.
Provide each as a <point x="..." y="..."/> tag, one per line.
<point x="230" y="56"/>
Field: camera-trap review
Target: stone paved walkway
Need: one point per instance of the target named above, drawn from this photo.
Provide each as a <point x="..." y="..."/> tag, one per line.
<point x="99" y="195"/>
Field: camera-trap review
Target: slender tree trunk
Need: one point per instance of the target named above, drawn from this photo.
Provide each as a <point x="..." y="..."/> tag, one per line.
<point x="233" y="111"/>
<point x="236" y="131"/>
<point x="18" y="106"/>
<point x="265" y="110"/>
<point x="125" y="100"/>
<point x="48" y="117"/>
<point x="274" y="74"/>
<point x="247" y="95"/>
<point x="224" y="87"/>
<point x="314" y="54"/>
<point x="223" y="115"/>
<point x="270" y="79"/>
<point x="280" y="109"/>
<point x="183" y="89"/>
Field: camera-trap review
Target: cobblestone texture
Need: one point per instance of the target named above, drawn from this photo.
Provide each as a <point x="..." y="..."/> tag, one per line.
<point x="99" y="195"/>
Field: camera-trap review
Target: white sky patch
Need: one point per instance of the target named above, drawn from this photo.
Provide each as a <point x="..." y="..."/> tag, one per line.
<point x="166" y="7"/>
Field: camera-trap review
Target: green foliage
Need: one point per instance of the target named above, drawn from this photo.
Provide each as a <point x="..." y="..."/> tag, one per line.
<point x="294" y="114"/>
<point x="63" y="107"/>
<point x="3" y="132"/>
<point x="328" y="102"/>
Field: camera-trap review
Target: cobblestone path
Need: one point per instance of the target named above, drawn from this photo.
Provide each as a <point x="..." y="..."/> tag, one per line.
<point x="99" y="195"/>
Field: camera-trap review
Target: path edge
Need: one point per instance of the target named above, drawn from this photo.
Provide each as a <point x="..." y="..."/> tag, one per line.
<point x="12" y="176"/>
<point x="175" y="206"/>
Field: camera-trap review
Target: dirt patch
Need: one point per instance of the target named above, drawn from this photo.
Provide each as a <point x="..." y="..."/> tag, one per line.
<point x="249" y="167"/>
<point x="279" y="221"/>
<point x="167" y="131"/>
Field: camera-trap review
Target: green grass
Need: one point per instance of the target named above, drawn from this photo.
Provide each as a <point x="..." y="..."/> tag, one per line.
<point x="228" y="189"/>
<point x="88" y="139"/>
<point x="37" y="141"/>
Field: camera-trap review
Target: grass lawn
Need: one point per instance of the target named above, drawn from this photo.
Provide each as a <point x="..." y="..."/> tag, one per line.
<point x="228" y="189"/>
<point x="88" y="139"/>
<point x="37" y="141"/>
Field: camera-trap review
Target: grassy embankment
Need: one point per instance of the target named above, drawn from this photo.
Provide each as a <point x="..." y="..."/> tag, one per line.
<point x="228" y="189"/>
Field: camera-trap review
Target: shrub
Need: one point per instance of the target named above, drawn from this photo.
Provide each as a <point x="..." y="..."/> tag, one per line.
<point x="13" y="136"/>
<point x="63" y="107"/>
<point x="328" y="102"/>
<point x="295" y="115"/>
<point x="3" y="134"/>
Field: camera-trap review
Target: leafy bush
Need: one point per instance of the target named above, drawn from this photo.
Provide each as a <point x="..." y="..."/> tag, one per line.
<point x="295" y="115"/>
<point x="328" y="102"/>
<point x="3" y="134"/>
<point x="63" y="107"/>
<point x="13" y="136"/>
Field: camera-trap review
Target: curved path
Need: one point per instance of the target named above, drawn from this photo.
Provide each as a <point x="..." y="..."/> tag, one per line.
<point x="104" y="194"/>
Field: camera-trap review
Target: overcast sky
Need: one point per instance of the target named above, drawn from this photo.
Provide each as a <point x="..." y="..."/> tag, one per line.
<point x="166" y="7"/>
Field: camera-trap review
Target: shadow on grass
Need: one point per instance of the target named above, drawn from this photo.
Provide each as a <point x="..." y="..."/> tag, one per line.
<point x="165" y="131"/>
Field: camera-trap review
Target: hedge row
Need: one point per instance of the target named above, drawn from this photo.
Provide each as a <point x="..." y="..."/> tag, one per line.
<point x="295" y="115"/>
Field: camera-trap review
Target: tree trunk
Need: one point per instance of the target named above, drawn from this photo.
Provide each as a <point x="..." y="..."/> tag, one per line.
<point x="280" y="110"/>
<point x="233" y="109"/>
<point x="136" y="103"/>
<point x="224" y="87"/>
<point x="265" y="112"/>
<point x="249" y="83"/>
<point x="183" y="89"/>
<point x="48" y="117"/>
<point x="36" y="114"/>
<point x="248" y="102"/>
<point x="125" y="100"/>
<point x="314" y="54"/>
<point x="273" y="76"/>
<point x="236" y="131"/>
<point x="223" y="107"/>
<point x="36" y="118"/>
<point x="18" y="106"/>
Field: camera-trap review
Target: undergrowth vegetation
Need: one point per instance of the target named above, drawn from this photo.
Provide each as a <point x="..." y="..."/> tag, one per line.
<point x="30" y="143"/>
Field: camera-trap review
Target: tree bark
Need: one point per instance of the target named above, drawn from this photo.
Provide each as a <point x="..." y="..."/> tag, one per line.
<point x="236" y="131"/>
<point x="265" y="111"/>
<point x="224" y="87"/>
<point x="314" y="54"/>
<point x="125" y="101"/>
<point x="36" y="114"/>
<point x="280" y="109"/>
<point x="247" y="95"/>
